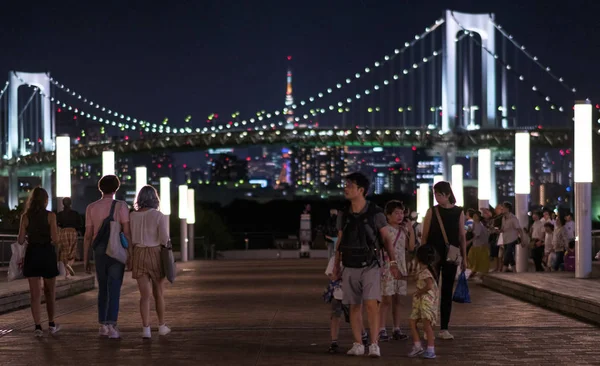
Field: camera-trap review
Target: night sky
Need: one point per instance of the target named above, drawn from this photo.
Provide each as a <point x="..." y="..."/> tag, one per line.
<point x="177" y="58"/>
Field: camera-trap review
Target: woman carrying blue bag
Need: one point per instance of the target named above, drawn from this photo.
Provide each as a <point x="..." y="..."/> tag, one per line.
<point x="444" y="229"/>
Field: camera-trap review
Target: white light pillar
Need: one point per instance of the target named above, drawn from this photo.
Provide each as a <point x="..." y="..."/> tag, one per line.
<point x="108" y="162"/>
<point x="183" y="212"/>
<point x="141" y="178"/>
<point x="484" y="177"/>
<point x="583" y="188"/>
<point x="191" y="221"/>
<point x="457" y="184"/>
<point x="522" y="190"/>
<point x="165" y="198"/>
<point x="63" y="169"/>
<point x="422" y="200"/>
<point x="436" y="179"/>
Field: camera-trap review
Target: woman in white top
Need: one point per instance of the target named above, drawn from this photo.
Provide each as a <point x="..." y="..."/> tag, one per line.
<point x="149" y="232"/>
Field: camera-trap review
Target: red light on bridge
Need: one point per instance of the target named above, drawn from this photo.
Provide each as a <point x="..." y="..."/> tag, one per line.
<point x="170" y="165"/>
<point x="184" y="166"/>
<point x="397" y="160"/>
<point x="75" y="118"/>
<point x="60" y="110"/>
<point x="539" y="127"/>
<point x="40" y="140"/>
<point x="597" y="106"/>
<point x="374" y="170"/>
<point x="216" y="115"/>
<point x="126" y="138"/>
<point x="414" y="148"/>
<point x="568" y="151"/>
<point x="159" y="166"/>
<point x="289" y="58"/>
<point x="248" y="158"/>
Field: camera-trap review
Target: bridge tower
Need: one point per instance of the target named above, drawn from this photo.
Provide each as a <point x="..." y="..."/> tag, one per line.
<point x="481" y="24"/>
<point x="16" y="135"/>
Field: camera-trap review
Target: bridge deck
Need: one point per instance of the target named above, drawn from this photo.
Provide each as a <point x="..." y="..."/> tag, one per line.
<point x="270" y="313"/>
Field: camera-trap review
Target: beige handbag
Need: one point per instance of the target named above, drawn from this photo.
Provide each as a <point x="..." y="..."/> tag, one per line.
<point x="452" y="253"/>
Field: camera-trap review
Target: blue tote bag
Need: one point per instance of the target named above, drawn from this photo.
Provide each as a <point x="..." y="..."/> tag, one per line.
<point x="461" y="293"/>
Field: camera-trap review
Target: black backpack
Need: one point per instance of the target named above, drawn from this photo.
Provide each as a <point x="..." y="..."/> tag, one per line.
<point x="357" y="248"/>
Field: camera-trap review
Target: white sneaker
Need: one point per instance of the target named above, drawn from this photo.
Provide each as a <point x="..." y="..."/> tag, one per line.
<point x="103" y="331"/>
<point x="38" y="333"/>
<point x="54" y="329"/>
<point x="113" y="332"/>
<point x="444" y="334"/>
<point x="374" y="350"/>
<point x="146" y="333"/>
<point x="356" y="350"/>
<point x="416" y="351"/>
<point x="163" y="330"/>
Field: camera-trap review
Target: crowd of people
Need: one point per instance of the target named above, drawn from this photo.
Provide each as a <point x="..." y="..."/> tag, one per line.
<point x="373" y="252"/>
<point x="51" y="241"/>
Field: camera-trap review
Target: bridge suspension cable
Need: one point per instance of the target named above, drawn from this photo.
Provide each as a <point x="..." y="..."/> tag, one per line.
<point x="100" y="107"/>
<point x="377" y="64"/>
<point x="508" y="67"/>
<point x="533" y="58"/>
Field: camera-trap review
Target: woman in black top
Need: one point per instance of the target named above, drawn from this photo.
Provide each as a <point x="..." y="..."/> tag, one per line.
<point x="38" y="228"/>
<point x="454" y="224"/>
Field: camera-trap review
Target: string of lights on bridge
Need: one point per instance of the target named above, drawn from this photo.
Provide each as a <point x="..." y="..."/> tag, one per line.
<point x="508" y="67"/>
<point x="102" y="108"/>
<point x="533" y="58"/>
<point x="386" y="59"/>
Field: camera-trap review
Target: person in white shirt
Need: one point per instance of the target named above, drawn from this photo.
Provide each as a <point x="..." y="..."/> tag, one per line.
<point x="569" y="227"/>
<point x="149" y="233"/>
<point x="511" y="232"/>
<point x="548" y="245"/>
<point x="538" y="234"/>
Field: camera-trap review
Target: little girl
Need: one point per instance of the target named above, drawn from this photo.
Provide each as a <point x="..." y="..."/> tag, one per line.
<point x="425" y="303"/>
<point x="400" y="233"/>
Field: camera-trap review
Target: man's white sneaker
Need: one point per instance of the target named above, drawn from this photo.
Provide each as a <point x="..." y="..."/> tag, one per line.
<point x="146" y="333"/>
<point x="113" y="332"/>
<point x="356" y="350"/>
<point x="38" y="333"/>
<point x="163" y="330"/>
<point x="374" y="350"/>
<point x="54" y="329"/>
<point x="444" y="334"/>
<point x="103" y="331"/>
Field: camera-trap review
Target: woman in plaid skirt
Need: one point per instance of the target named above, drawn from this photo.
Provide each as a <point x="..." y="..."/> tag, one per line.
<point x="69" y="223"/>
<point x="149" y="233"/>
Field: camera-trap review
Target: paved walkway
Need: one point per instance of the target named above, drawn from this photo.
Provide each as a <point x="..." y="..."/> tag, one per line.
<point x="270" y="313"/>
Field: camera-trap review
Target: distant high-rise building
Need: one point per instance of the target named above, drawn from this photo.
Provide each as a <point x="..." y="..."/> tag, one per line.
<point x="319" y="167"/>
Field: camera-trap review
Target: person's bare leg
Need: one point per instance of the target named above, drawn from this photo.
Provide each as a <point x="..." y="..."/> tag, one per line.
<point x="145" y="288"/>
<point x="384" y="308"/>
<point x="335" y="327"/>
<point x="159" y="300"/>
<point x="372" y="307"/>
<point x="35" y="298"/>
<point x="50" y="294"/>
<point x="356" y="322"/>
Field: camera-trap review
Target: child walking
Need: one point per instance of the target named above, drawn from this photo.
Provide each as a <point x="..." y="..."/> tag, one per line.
<point x="334" y="295"/>
<point x="425" y="303"/>
<point x="400" y="233"/>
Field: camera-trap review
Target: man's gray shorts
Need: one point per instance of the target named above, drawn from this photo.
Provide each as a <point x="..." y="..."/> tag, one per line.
<point x="361" y="284"/>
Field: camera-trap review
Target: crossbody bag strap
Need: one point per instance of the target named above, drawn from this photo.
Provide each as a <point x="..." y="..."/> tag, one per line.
<point x="439" y="218"/>
<point x="111" y="215"/>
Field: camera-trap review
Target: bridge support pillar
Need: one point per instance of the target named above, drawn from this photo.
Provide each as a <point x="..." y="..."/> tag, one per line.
<point x="47" y="185"/>
<point x="448" y="159"/>
<point x="13" y="187"/>
<point x="183" y="240"/>
<point x="522" y="253"/>
<point x="191" y="242"/>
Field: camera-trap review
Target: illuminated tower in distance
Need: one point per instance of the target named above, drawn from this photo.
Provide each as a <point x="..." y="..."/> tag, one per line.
<point x="289" y="99"/>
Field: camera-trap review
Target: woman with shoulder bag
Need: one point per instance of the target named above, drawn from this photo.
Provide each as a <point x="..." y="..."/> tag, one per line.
<point x="149" y="233"/>
<point x="444" y="229"/>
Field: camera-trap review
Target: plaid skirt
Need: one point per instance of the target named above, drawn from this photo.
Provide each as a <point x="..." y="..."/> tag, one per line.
<point x="67" y="239"/>
<point x="146" y="261"/>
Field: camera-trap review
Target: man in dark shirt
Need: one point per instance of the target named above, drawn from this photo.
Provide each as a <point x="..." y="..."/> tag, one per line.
<point x="69" y="223"/>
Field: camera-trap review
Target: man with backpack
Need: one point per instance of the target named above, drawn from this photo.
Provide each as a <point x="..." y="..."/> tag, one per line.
<point x="361" y="239"/>
<point x="109" y="271"/>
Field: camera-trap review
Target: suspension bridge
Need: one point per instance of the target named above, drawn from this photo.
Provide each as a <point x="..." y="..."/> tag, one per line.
<point x="461" y="84"/>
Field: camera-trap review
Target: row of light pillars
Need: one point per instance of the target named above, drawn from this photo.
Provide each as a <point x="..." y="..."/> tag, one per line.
<point x="187" y="203"/>
<point x="583" y="188"/>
